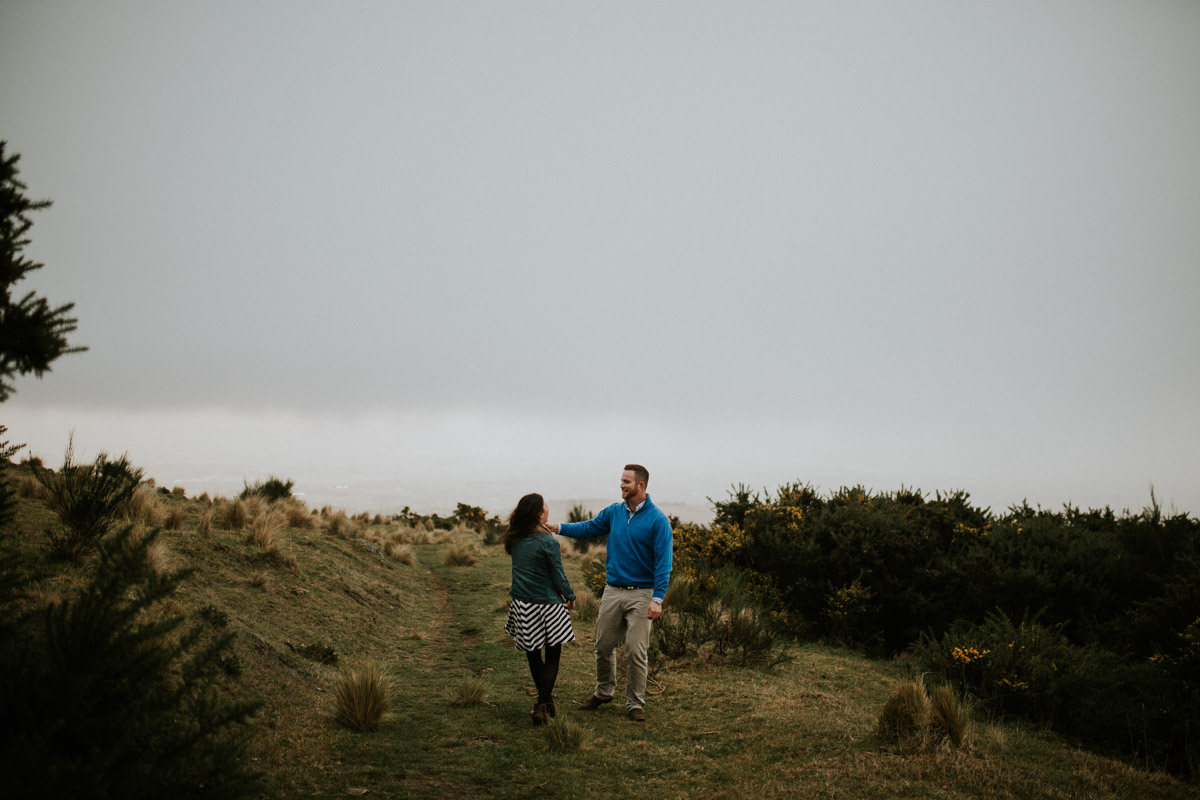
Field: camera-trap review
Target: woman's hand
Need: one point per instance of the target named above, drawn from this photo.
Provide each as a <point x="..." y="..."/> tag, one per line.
<point x="570" y="605"/>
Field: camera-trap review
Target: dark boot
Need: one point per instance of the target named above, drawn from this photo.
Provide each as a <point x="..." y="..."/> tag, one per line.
<point x="539" y="714"/>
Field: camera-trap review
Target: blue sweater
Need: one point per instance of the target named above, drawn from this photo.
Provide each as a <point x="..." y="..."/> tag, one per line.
<point x="639" y="549"/>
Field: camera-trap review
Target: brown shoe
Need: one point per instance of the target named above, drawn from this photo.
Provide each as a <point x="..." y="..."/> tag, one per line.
<point x="637" y="715"/>
<point x="593" y="702"/>
<point x="552" y="708"/>
<point x="539" y="714"/>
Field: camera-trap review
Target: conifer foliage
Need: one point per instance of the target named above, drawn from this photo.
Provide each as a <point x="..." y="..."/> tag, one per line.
<point x="32" y="332"/>
<point x="103" y="697"/>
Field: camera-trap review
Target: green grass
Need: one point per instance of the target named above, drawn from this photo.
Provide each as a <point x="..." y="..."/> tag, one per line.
<point x="804" y="729"/>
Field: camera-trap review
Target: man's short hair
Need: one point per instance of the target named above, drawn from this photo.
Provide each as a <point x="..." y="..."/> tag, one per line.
<point x="640" y="473"/>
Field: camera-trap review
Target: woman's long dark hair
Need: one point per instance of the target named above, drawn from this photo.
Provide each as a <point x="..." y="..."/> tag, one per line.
<point x="523" y="520"/>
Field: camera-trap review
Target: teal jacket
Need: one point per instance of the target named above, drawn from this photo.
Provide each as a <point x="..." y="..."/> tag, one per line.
<point x="537" y="571"/>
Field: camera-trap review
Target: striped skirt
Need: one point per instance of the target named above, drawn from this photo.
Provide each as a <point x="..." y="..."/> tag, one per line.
<point x="533" y="626"/>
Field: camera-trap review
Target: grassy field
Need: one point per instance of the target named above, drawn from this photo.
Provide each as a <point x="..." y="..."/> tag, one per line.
<point x="375" y="592"/>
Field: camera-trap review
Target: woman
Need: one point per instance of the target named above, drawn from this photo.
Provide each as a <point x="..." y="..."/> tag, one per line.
<point x="537" y="616"/>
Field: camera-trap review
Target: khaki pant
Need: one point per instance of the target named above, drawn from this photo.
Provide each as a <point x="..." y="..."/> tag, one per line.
<point x="623" y="616"/>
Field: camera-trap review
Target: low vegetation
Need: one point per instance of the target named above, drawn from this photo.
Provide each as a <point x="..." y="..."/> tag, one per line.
<point x="375" y="663"/>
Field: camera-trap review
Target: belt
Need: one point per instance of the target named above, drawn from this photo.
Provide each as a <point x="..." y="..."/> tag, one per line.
<point x="615" y="586"/>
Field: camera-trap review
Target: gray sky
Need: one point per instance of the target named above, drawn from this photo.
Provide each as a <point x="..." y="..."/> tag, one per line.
<point x="939" y="244"/>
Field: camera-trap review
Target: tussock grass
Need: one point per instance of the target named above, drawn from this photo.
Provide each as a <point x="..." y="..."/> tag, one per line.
<point x="341" y="526"/>
<point x="297" y="514"/>
<point x="204" y="525"/>
<point x="255" y="505"/>
<point x="143" y="508"/>
<point x="460" y="554"/>
<point x="362" y="697"/>
<point x="172" y="518"/>
<point x="947" y="717"/>
<point x="265" y="530"/>
<point x="586" y="606"/>
<point x="564" y="734"/>
<point x="230" y="515"/>
<point x="29" y="488"/>
<point x="905" y="715"/>
<point x="412" y="535"/>
<point x="471" y="691"/>
<point x="400" y="552"/>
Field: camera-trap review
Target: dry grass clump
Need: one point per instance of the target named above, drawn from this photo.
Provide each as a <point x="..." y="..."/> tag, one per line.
<point x="297" y="514"/>
<point x="230" y="515"/>
<point x="470" y="692"/>
<point x="29" y="488"/>
<point x="400" y="552"/>
<point x="362" y="697"/>
<point x="586" y="606"/>
<point x="947" y="717"/>
<point x="143" y="508"/>
<point x="460" y="554"/>
<point x="564" y="734"/>
<point x="172" y="518"/>
<point x="255" y="505"/>
<point x="204" y="527"/>
<point x="341" y="526"/>
<point x="264" y="531"/>
<point x="260" y="579"/>
<point x="905" y="715"/>
<point x="914" y="717"/>
<point x="412" y="535"/>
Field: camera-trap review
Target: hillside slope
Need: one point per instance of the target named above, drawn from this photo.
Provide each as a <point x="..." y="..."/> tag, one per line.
<point x="804" y="729"/>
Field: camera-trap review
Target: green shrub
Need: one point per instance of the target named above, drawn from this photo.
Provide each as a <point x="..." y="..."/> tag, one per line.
<point x="580" y="514"/>
<point x="594" y="571"/>
<point x="87" y="498"/>
<point x="101" y="699"/>
<point x="716" y="616"/>
<point x="7" y="496"/>
<point x="271" y="489"/>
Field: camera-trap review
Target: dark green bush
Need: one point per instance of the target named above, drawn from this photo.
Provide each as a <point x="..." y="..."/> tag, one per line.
<point x="7" y="495"/>
<point x="87" y="498"/>
<point x="100" y="699"/>
<point x="271" y="489"/>
<point x="1108" y="601"/>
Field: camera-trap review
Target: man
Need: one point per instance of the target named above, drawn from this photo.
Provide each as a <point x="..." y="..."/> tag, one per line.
<point x="637" y="571"/>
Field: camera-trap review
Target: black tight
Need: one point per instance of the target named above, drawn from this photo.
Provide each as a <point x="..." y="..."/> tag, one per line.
<point x="545" y="673"/>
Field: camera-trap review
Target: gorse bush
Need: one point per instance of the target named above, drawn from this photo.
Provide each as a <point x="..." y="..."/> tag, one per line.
<point x="715" y="616"/>
<point x="594" y="570"/>
<point x="87" y="498"/>
<point x="271" y="489"/>
<point x="1114" y="595"/>
<point x="102" y="695"/>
